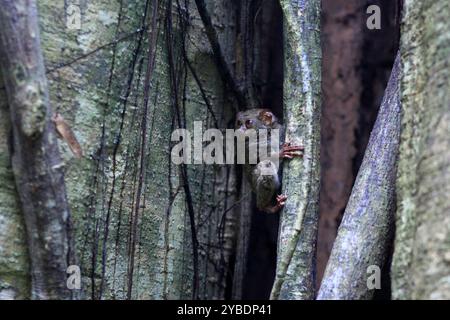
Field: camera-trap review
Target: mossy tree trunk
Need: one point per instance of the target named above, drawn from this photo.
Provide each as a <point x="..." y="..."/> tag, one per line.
<point x="133" y="210"/>
<point x="295" y="275"/>
<point x="35" y="158"/>
<point x="420" y="267"/>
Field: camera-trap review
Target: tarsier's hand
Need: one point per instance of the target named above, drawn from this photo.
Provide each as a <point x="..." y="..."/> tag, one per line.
<point x="281" y="201"/>
<point x="289" y="151"/>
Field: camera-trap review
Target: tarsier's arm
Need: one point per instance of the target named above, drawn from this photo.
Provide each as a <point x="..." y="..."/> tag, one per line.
<point x="66" y="133"/>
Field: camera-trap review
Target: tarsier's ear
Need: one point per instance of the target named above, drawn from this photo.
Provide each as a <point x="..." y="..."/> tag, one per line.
<point x="266" y="117"/>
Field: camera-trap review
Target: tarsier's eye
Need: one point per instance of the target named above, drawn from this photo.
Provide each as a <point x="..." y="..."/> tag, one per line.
<point x="249" y="123"/>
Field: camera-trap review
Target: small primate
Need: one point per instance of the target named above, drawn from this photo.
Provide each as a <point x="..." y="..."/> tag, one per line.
<point x="266" y="185"/>
<point x="65" y="132"/>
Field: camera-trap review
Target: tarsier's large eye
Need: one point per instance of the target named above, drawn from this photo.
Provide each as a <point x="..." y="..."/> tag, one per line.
<point x="248" y="124"/>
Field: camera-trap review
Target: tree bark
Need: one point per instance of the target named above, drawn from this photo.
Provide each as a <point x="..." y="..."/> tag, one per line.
<point x="14" y="257"/>
<point x="37" y="166"/>
<point x="365" y="234"/>
<point x="295" y="275"/>
<point x="131" y="246"/>
<point x="420" y="267"/>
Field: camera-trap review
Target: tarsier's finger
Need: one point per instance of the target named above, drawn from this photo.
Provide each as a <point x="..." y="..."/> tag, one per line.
<point x="281" y="204"/>
<point x="290" y="154"/>
<point x="293" y="148"/>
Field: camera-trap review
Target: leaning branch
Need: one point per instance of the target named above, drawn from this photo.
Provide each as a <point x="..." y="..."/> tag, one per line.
<point x="365" y="234"/>
<point x="37" y="167"/>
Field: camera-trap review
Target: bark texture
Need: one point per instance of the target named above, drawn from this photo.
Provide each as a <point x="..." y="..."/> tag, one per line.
<point x="295" y="275"/>
<point x="133" y="210"/>
<point x="14" y="259"/>
<point x="37" y="167"/>
<point x="422" y="245"/>
<point x="366" y="231"/>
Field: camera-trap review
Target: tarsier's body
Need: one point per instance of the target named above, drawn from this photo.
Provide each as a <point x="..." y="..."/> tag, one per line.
<point x="263" y="176"/>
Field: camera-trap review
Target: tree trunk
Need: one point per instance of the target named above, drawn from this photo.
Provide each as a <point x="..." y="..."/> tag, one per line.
<point x="126" y="74"/>
<point x="37" y="167"/>
<point x="134" y="212"/>
<point x="298" y="227"/>
<point x="422" y="249"/>
<point x="14" y="259"/>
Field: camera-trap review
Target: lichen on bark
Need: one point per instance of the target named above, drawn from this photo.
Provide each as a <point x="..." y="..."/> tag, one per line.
<point x="420" y="267"/>
<point x="14" y="261"/>
<point x="298" y="229"/>
<point x="96" y="76"/>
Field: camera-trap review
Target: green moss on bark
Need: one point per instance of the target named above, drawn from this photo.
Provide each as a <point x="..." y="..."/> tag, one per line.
<point x="298" y="229"/>
<point x="422" y="246"/>
<point x="14" y="262"/>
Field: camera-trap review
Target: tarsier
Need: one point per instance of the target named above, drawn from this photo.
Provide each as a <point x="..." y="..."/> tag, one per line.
<point x="266" y="185"/>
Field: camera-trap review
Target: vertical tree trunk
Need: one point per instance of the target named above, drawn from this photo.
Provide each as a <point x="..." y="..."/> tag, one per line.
<point x="37" y="167"/>
<point x="298" y="229"/>
<point x="14" y="259"/>
<point x="422" y="249"/>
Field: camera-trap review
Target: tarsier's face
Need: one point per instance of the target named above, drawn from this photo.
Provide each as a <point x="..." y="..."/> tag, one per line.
<point x="255" y="119"/>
